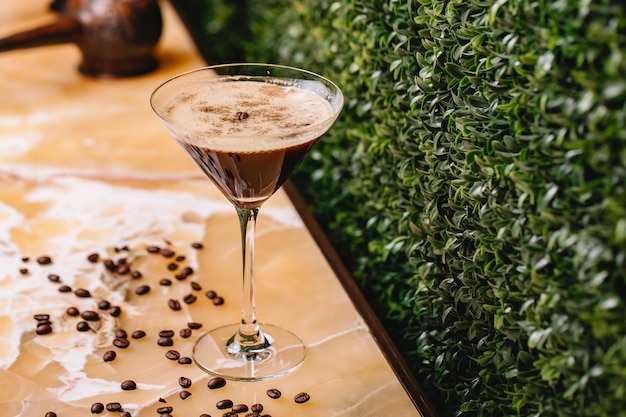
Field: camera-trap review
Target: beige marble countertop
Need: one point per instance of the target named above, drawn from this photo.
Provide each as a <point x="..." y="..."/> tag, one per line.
<point x="85" y="168"/>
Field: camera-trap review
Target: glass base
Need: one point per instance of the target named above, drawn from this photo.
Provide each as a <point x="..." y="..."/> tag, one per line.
<point x="216" y="352"/>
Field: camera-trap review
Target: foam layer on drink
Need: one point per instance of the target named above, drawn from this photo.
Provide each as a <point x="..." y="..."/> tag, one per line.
<point x="247" y="116"/>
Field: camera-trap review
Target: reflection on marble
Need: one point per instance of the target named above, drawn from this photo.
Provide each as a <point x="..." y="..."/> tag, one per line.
<point x="86" y="168"/>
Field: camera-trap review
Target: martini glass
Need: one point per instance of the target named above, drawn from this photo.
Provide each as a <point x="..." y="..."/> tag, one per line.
<point x="247" y="126"/>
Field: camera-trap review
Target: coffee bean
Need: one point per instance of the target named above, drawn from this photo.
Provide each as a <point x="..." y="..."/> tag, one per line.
<point x="197" y="245"/>
<point x="41" y="317"/>
<point x="114" y="406"/>
<point x="211" y="294"/>
<point x="123" y="269"/>
<point x="190" y="299"/>
<point x="115" y="311"/>
<point x="138" y="334"/>
<point x="166" y="333"/>
<point x="97" y="408"/>
<point x="142" y="289"/>
<point x="230" y="414"/>
<point x="184" y="360"/>
<point x="44" y="260"/>
<point x="223" y="404"/>
<point x="23" y="271"/>
<point x="82" y="326"/>
<point x="195" y="286"/>
<point x="184" y="394"/>
<point x="172" y="266"/>
<point x="218" y="301"/>
<point x="193" y="325"/>
<point x="109" y="356"/>
<point x="165" y="341"/>
<point x="301" y="397"/>
<point x="165" y="282"/>
<point x="135" y="274"/>
<point x="72" y="311"/>
<point x="172" y="355"/>
<point x="256" y="408"/>
<point x="90" y="315"/>
<point x="110" y="265"/>
<point x="241" y="115"/>
<point x="125" y="414"/>
<point x="165" y="410"/>
<point x="187" y="270"/>
<point x="93" y="257"/>
<point x="128" y="385"/>
<point x="54" y="278"/>
<point x="184" y="382"/>
<point x="51" y="414"/>
<point x="44" y="329"/>
<point x="185" y="333"/>
<point x="121" y="333"/>
<point x="173" y="304"/>
<point x="168" y="253"/>
<point x="82" y="293"/>
<point x="273" y="393"/>
<point x="217" y="382"/>
<point x="65" y="288"/>
<point x="104" y="305"/>
<point x="204" y="415"/>
<point x="121" y="343"/>
<point x="240" y="408"/>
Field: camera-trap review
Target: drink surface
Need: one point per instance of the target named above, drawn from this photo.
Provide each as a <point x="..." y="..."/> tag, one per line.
<point x="247" y="136"/>
<point x="247" y="116"/>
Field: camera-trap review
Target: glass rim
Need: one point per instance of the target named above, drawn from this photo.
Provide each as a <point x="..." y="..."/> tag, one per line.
<point x="338" y="93"/>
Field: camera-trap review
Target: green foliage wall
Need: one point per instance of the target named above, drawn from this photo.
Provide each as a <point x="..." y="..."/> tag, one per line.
<point x="476" y="187"/>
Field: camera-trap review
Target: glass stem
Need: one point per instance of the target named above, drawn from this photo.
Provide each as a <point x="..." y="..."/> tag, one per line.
<point x="250" y="336"/>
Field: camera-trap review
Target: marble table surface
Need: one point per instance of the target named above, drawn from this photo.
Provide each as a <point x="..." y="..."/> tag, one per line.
<point x="85" y="168"/>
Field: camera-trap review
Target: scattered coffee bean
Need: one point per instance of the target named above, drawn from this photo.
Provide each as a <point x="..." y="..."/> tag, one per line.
<point x="218" y="301"/>
<point x="110" y="265"/>
<point x="114" y="406"/>
<point x="172" y="266"/>
<point x="41" y="317"/>
<point x="187" y="270"/>
<point x="241" y="115"/>
<point x="166" y="333"/>
<point x="90" y="315"/>
<point x="136" y="274"/>
<point x="256" y="408"/>
<point x="273" y="393"/>
<point x="165" y="341"/>
<point x="125" y="414"/>
<point x="216" y="382"/>
<point x="195" y="286"/>
<point x="162" y="400"/>
<point x="165" y="410"/>
<point x="204" y="415"/>
<point x="43" y="328"/>
<point x="25" y="259"/>
<point x="121" y="333"/>
<point x="82" y="326"/>
<point x="142" y="289"/>
<point x="197" y="245"/>
<point x="211" y="294"/>
<point x="301" y="397"/>
<point x="185" y="333"/>
<point x="123" y="269"/>
<point x="184" y="394"/>
<point x="230" y="414"/>
<point x="65" y="288"/>
<point x="184" y="382"/>
<point x="224" y="404"/>
<point x="172" y="355"/>
<point x="82" y="293"/>
<point x="165" y="282"/>
<point x="190" y="299"/>
<point x="104" y="305"/>
<point x="193" y="325"/>
<point x="121" y="343"/>
<point x="115" y="311"/>
<point x="153" y="249"/>
<point x="173" y="304"/>
<point x="240" y="408"/>
<point x="72" y="311"/>
<point x="97" y="408"/>
<point x="180" y="258"/>
<point x="109" y="356"/>
<point x="44" y="260"/>
<point x="54" y="278"/>
<point x="51" y="414"/>
<point x="128" y="385"/>
<point x="138" y="334"/>
<point x="93" y="257"/>
<point x="23" y="271"/>
<point x="168" y="253"/>
<point x="184" y="360"/>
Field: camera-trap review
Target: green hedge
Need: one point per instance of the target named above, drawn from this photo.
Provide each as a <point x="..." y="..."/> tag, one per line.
<point x="476" y="187"/>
